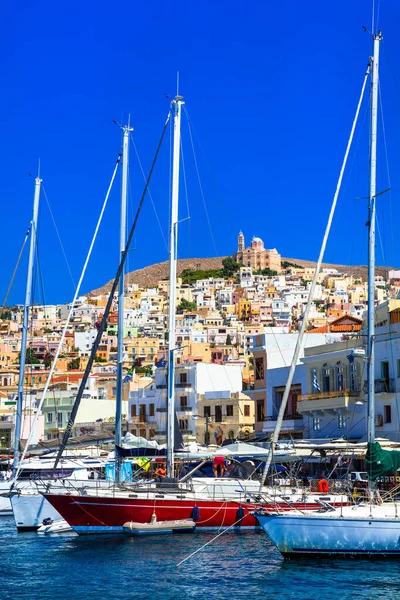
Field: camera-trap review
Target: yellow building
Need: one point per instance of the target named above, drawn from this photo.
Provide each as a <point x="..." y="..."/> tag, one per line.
<point x="143" y="348"/>
<point x="224" y="418"/>
<point x="243" y="309"/>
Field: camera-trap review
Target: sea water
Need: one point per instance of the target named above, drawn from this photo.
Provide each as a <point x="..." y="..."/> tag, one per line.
<point x="236" y="565"/>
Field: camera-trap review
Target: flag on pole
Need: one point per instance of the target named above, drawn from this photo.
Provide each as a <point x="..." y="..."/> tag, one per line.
<point x="315" y="382"/>
<point x="128" y="376"/>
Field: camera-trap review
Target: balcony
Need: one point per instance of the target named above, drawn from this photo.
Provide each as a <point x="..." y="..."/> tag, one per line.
<point x="331" y="394"/>
<point x="162" y="409"/>
<point x="183" y="408"/>
<point x="382" y="386"/>
<point x="141" y="419"/>
<point x="185" y="385"/>
<point x="328" y="401"/>
<point x="290" y="423"/>
<point x="162" y="386"/>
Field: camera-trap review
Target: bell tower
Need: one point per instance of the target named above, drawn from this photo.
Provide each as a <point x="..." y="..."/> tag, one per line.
<point x="240" y="242"/>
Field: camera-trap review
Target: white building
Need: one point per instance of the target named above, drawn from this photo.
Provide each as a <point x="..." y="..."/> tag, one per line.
<point x="147" y="407"/>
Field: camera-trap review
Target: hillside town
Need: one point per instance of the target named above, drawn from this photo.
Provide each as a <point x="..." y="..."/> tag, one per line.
<point x="236" y="330"/>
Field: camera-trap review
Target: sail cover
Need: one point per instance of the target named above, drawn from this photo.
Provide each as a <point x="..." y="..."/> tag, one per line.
<point x="381" y="462"/>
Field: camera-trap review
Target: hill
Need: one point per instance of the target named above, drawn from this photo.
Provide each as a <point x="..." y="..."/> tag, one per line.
<point x="150" y="275"/>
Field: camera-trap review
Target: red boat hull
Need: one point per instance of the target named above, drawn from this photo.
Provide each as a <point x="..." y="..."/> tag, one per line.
<point x="100" y="514"/>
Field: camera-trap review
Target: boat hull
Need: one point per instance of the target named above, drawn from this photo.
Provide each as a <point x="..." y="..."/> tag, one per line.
<point x="308" y="536"/>
<point x="30" y="511"/>
<point x="107" y="514"/>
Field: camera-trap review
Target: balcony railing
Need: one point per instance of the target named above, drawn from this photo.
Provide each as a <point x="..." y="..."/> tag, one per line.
<point x="186" y="384"/>
<point x="295" y="417"/>
<point x="382" y="386"/>
<point x="141" y="419"/>
<point x="162" y="386"/>
<point x="331" y="394"/>
<point x="183" y="408"/>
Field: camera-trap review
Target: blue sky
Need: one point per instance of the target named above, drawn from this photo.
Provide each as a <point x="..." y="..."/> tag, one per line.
<point x="271" y="90"/>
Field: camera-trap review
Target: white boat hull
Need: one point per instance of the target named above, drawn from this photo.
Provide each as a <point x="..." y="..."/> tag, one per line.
<point x="355" y="532"/>
<point x="30" y="510"/>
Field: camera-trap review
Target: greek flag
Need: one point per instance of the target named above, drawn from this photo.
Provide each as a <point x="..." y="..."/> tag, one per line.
<point x="315" y="382"/>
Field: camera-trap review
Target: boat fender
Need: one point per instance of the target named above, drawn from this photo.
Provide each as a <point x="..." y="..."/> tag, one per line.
<point x="240" y="514"/>
<point x="323" y="486"/>
<point x="195" y="514"/>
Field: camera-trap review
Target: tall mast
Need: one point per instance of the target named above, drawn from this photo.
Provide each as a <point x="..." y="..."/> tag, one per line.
<point x="121" y="296"/>
<point x="173" y="254"/>
<point x="25" y="325"/>
<point x="371" y="245"/>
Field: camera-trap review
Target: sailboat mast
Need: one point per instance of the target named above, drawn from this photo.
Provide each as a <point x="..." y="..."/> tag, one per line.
<point x="176" y="106"/>
<point x="121" y="295"/>
<point x="371" y="245"/>
<point x="25" y="325"/>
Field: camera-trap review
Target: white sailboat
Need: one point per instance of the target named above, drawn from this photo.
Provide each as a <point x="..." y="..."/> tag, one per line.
<point x="368" y="529"/>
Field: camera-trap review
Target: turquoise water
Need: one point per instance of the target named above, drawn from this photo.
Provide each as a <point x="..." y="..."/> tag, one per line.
<point x="236" y="565"/>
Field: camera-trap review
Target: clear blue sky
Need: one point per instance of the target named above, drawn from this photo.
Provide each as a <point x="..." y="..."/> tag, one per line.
<point x="271" y="89"/>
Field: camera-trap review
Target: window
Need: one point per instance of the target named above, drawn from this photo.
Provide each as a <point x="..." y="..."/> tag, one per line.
<point x="229" y="410"/>
<point x="387" y="413"/>
<point x="184" y="400"/>
<point x="385" y="369"/>
<point x="246" y="410"/>
<point x="207" y="411"/>
<point x="142" y="410"/>
<point x="133" y="410"/>
<point x="353" y="378"/>
<point x="151" y="410"/>
<point x="326" y="380"/>
<point x="59" y="419"/>
<point x="341" y="421"/>
<point x="218" y="414"/>
<point x="340" y="378"/>
<point x="183" y="378"/>
<point x="183" y="424"/>
<point x="316" y="423"/>
<point x="259" y="368"/>
<point x="49" y="417"/>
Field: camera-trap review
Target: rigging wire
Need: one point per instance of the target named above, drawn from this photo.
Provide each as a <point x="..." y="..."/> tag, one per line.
<point x="150" y="195"/>
<point x="75" y="408"/>
<point x="186" y="196"/>
<point x="59" y="237"/>
<point x="49" y="378"/>
<point x="227" y="209"/>
<point x="16" y="267"/>
<point x="200" y="184"/>
<point x="300" y="338"/>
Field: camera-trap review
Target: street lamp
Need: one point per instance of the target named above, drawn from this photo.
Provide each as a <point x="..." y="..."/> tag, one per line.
<point x="208" y="421"/>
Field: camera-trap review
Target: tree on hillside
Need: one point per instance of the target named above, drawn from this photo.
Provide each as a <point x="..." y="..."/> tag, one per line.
<point x="30" y="357"/>
<point x="74" y="364"/>
<point x="230" y="267"/>
<point x="228" y="340"/>
<point x="186" y="305"/>
<point x="6" y="315"/>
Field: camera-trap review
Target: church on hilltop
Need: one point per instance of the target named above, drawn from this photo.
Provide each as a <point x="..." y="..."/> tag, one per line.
<point x="256" y="256"/>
